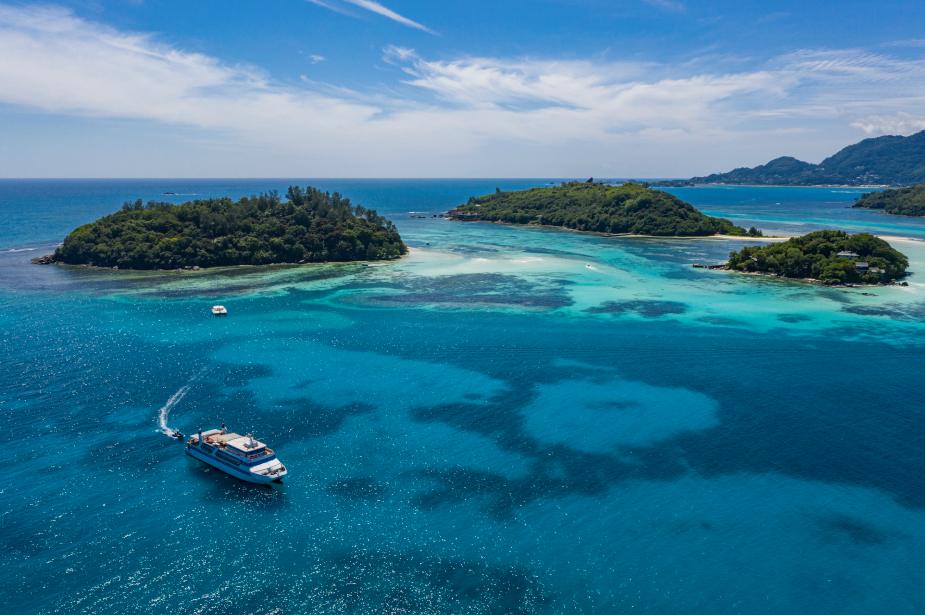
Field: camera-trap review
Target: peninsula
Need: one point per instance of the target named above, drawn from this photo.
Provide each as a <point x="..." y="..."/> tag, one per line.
<point x="830" y="257"/>
<point x="308" y="226"/>
<point x="890" y="160"/>
<point x="626" y="209"/>
<point x="902" y="201"/>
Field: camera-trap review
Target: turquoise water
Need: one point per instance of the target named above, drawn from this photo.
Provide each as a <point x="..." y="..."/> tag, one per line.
<point x="505" y="421"/>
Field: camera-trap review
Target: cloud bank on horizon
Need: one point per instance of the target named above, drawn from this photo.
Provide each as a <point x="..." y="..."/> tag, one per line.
<point x="423" y="114"/>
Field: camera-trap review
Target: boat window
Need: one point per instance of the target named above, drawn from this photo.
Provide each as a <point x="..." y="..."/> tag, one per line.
<point x="226" y="457"/>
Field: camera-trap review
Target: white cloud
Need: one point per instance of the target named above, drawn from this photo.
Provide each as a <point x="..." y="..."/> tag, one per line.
<point x="898" y="124"/>
<point x="331" y="6"/>
<point x="316" y="58"/>
<point x="852" y="66"/>
<point x="909" y="42"/>
<point x="374" y="7"/>
<point x="449" y="117"/>
<point x="587" y="97"/>
<point x="674" y="6"/>
<point x="53" y="61"/>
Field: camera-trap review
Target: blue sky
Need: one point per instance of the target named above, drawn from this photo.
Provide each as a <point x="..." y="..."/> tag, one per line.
<point x="407" y="88"/>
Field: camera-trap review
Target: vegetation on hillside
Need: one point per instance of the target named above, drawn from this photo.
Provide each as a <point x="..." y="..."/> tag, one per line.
<point x="903" y="201"/>
<point x="865" y="259"/>
<point x="630" y="208"/>
<point x="889" y="160"/>
<point x="309" y="226"/>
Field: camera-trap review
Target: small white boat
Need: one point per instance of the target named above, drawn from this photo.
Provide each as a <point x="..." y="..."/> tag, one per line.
<point x="219" y="310"/>
<point x="240" y="456"/>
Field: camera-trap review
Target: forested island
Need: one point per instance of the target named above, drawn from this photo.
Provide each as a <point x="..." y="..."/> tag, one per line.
<point x="626" y="209"/>
<point x="889" y="160"/>
<point x="831" y="257"/>
<point x="308" y="226"/>
<point x="902" y="201"/>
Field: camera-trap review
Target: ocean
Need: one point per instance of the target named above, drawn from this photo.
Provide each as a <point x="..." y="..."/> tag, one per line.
<point x="507" y="420"/>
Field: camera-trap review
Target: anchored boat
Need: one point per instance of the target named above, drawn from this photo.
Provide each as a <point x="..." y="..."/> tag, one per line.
<point x="240" y="456"/>
<point x="219" y="310"/>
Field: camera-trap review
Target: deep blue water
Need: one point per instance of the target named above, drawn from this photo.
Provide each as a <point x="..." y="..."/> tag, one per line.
<point x="506" y="421"/>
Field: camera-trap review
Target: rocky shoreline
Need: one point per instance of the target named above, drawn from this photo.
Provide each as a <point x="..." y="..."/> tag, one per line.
<point x="726" y="267"/>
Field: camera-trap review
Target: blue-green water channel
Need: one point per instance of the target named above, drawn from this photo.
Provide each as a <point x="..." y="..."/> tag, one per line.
<point x="505" y="421"/>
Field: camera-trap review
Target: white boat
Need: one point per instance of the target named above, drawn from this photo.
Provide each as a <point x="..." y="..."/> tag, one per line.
<point x="240" y="456"/>
<point x="219" y="310"/>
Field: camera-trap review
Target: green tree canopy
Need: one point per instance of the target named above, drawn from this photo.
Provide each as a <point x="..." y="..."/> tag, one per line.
<point x="903" y="201"/>
<point x="629" y="208"/>
<point x="309" y="226"/>
<point x="833" y="257"/>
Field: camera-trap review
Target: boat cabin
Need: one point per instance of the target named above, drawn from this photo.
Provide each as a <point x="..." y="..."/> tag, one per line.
<point x="244" y="448"/>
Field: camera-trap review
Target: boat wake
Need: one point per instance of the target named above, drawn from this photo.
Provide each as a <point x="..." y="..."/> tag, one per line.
<point x="164" y="413"/>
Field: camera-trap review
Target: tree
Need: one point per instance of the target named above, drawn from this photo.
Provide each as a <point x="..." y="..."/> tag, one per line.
<point x="309" y="226"/>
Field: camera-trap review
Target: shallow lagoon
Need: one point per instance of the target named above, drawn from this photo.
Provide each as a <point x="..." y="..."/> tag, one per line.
<point x="507" y="420"/>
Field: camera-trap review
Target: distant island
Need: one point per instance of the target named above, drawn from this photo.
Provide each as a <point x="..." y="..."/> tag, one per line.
<point x="626" y="209"/>
<point x="309" y="226"/>
<point x="902" y="202"/>
<point x="830" y="257"/>
<point x="890" y="160"/>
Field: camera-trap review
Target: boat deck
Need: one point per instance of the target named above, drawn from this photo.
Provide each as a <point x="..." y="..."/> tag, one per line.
<point x="220" y="438"/>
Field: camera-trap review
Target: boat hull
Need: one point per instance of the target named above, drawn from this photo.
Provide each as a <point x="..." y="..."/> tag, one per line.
<point x="244" y="475"/>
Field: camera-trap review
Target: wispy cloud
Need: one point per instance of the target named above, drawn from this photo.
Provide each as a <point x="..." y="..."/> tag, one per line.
<point x="576" y="84"/>
<point x="909" y="42"/>
<point x="459" y="115"/>
<point x="316" y="58"/>
<point x="673" y="6"/>
<point x="331" y="6"/>
<point x="56" y="62"/>
<point x="374" y="7"/>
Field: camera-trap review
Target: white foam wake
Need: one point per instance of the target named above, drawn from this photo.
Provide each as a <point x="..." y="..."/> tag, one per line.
<point x="164" y="412"/>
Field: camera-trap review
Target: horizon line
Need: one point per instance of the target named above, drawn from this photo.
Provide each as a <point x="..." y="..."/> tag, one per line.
<point x="355" y="178"/>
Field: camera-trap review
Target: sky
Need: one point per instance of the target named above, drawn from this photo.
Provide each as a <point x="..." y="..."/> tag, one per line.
<point x="449" y="88"/>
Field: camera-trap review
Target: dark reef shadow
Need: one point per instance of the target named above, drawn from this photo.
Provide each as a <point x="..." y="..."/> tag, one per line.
<point x="793" y="318"/>
<point x="839" y="528"/>
<point x="779" y="397"/>
<point x="473" y="289"/>
<point x="642" y="307"/>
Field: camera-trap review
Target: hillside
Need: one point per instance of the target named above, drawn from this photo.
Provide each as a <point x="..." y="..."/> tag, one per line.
<point x="310" y="226"/>
<point x="890" y="160"/>
<point x="832" y="257"/>
<point x="629" y="208"/>
<point x="902" y="201"/>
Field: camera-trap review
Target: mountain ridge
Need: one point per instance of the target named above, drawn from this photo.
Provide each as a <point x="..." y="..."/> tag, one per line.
<point x="888" y="160"/>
